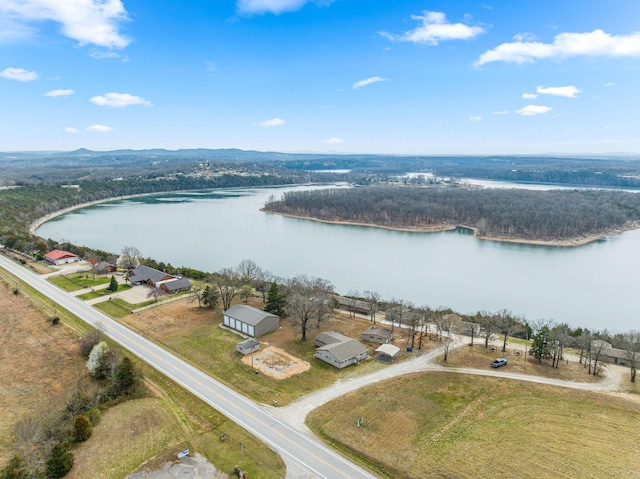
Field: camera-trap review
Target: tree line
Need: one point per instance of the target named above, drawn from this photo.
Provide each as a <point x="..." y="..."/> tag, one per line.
<point x="511" y="213"/>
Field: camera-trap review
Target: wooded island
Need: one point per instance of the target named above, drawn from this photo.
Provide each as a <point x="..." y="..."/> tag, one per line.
<point x="559" y="217"/>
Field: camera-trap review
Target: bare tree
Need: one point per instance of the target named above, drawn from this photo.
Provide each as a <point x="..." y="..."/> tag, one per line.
<point x="249" y="271"/>
<point x="598" y="346"/>
<point x="352" y="296"/>
<point x="448" y="325"/>
<point x="228" y="282"/>
<point x="424" y="314"/>
<point x="393" y="312"/>
<point x="507" y="324"/>
<point x="197" y="293"/>
<point x="129" y="258"/>
<point x="307" y="299"/>
<point x="632" y="350"/>
<point x="488" y="322"/>
<point x="373" y="301"/>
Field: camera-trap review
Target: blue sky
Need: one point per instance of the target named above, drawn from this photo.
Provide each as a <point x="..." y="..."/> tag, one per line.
<point x="348" y="76"/>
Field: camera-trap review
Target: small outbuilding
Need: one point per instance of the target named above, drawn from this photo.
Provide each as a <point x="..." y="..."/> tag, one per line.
<point x="386" y="353"/>
<point x="378" y="335"/>
<point x="249" y="320"/>
<point x="248" y="346"/>
<point x="59" y="257"/>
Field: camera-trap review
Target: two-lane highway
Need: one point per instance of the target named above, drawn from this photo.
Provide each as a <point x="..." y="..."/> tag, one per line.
<point x="308" y="452"/>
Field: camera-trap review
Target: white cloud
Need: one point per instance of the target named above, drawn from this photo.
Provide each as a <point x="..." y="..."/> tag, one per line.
<point x="595" y="43"/>
<point x="531" y="110"/>
<point x="19" y="74"/>
<point x="87" y="21"/>
<point x="71" y="130"/>
<point x="251" y="7"/>
<point x="529" y="96"/>
<point x="524" y="37"/>
<point x="569" y="91"/>
<point x="501" y="112"/>
<point x="272" y="122"/>
<point x="609" y="83"/>
<point x="435" y="29"/>
<point x="366" y="82"/>
<point x="99" y="128"/>
<point x="475" y="118"/>
<point x="119" y="100"/>
<point x="57" y="93"/>
<point x="334" y="141"/>
<point x="106" y="55"/>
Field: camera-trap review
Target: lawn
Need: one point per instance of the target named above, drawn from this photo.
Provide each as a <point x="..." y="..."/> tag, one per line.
<point x="75" y="282"/>
<point x="101" y="292"/>
<point x="441" y="425"/>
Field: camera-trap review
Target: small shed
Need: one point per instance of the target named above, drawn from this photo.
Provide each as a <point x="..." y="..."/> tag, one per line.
<point x="329" y="337"/>
<point x="249" y="320"/>
<point x="376" y="334"/>
<point x="58" y="257"/>
<point x="248" y="346"/>
<point x="386" y="353"/>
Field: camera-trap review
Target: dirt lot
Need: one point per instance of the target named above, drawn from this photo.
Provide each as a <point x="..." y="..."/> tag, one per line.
<point x="276" y="363"/>
<point x="38" y="362"/>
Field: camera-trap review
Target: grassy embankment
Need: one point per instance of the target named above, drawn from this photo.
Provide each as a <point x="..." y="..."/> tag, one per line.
<point x="39" y="361"/>
<point x="441" y="425"/>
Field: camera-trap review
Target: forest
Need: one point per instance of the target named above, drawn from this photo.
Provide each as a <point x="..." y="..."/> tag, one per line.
<point x="499" y="213"/>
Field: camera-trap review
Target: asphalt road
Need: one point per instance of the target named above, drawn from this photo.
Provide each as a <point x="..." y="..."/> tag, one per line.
<point x="312" y="458"/>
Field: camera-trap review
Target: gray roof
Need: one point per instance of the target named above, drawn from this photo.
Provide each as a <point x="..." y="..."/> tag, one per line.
<point x="102" y="265"/>
<point x="179" y="283"/>
<point x="145" y="273"/>
<point x="331" y="337"/>
<point x="345" y="350"/>
<point x="249" y="343"/>
<point x="377" y="331"/>
<point x="247" y="314"/>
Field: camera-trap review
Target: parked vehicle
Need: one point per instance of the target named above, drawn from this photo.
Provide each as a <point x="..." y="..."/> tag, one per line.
<point x="496" y="363"/>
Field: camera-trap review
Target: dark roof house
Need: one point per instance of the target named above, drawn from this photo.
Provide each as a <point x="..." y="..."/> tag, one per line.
<point x="104" y="268"/>
<point x="158" y="279"/>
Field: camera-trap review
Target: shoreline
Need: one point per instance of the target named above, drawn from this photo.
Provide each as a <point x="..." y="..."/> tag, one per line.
<point x="579" y="241"/>
<point x="48" y="217"/>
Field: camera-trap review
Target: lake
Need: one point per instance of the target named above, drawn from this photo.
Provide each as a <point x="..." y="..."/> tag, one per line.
<point x="593" y="286"/>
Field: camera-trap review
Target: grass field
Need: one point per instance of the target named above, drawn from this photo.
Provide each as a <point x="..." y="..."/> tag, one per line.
<point x="479" y="357"/>
<point x="194" y="334"/>
<point x="75" y="282"/>
<point x="439" y="425"/>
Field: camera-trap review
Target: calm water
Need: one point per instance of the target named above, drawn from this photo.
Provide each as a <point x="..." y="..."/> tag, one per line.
<point x="595" y="285"/>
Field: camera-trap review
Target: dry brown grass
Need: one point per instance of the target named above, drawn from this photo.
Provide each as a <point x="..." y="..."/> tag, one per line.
<point x="440" y="425"/>
<point x="480" y="357"/>
<point x="128" y="434"/>
<point x="38" y="363"/>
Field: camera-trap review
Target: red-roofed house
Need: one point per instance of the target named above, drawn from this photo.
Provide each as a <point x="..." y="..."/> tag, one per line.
<point x="60" y="257"/>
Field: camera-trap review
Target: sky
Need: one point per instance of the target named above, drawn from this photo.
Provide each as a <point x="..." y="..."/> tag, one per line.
<point x="327" y="76"/>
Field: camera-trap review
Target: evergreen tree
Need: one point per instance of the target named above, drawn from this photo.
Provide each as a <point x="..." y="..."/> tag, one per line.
<point x="125" y="378"/>
<point x="210" y="297"/>
<point x="113" y="284"/>
<point x="275" y="300"/>
<point x="82" y="428"/>
<point x="540" y="349"/>
<point x="60" y="462"/>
